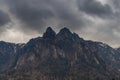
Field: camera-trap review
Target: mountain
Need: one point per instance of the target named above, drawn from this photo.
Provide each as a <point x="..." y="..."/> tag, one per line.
<point x="59" y="56"/>
<point x="8" y="52"/>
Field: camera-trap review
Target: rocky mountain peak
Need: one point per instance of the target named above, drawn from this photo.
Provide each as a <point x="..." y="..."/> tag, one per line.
<point x="65" y="30"/>
<point x="49" y="34"/>
<point x="64" y="33"/>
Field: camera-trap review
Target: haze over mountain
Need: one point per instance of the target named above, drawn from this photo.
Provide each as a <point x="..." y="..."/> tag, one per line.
<point x="96" y="20"/>
<point x="59" y="56"/>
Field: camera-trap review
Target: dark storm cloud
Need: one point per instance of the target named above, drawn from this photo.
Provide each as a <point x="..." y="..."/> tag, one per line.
<point x="115" y="3"/>
<point x="4" y="18"/>
<point x="37" y="14"/>
<point x="95" y="8"/>
<point x="32" y="16"/>
<point x="31" y="13"/>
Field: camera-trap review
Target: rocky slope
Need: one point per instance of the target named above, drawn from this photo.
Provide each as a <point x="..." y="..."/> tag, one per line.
<point x="61" y="56"/>
<point x="8" y="52"/>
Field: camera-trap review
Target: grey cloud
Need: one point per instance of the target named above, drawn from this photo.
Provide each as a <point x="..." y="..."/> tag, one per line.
<point x="115" y="3"/>
<point x="38" y="14"/>
<point x="95" y="8"/>
<point x="4" y="18"/>
<point x="30" y="13"/>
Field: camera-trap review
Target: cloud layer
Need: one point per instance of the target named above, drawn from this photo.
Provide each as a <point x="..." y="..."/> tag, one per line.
<point x="37" y="14"/>
<point x="92" y="19"/>
<point x="95" y="8"/>
<point x="4" y="18"/>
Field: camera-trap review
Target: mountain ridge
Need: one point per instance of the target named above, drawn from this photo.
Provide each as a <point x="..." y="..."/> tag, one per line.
<point x="63" y="56"/>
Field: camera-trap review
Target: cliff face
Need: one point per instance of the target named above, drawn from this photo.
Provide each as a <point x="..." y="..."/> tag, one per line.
<point x="64" y="56"/>
<point x="8" y="52"/>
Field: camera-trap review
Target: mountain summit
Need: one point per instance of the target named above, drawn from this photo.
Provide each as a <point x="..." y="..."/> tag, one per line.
<point x="49" y="34"/>
<point x="61" y="56"/>
<point x="65" y="30"/>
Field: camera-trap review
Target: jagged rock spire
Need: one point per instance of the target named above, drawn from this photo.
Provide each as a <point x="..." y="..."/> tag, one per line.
<point x="64" y="33"/>
<point x="65" y="30"/>
<point x="49" y="34"/>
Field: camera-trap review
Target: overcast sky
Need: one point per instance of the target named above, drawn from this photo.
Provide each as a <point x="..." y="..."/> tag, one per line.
<point x="97" y="20"/>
